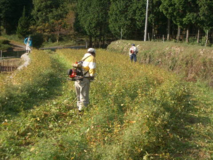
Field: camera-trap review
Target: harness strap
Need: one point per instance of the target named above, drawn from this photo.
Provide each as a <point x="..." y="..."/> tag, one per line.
<point x="84" y="60"/>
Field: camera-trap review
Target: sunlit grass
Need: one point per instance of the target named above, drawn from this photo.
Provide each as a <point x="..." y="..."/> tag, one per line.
<point x="136" y="111"/>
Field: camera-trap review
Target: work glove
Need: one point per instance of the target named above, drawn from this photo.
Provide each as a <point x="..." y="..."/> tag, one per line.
<point x="77" y="65"/>
<point x="92" y="78"/>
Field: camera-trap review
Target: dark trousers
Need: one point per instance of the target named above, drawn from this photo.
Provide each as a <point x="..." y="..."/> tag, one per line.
<point x="133" y="57"/>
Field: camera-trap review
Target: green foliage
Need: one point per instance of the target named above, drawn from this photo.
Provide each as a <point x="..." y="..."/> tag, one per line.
<point x="93" y="18"/>
<point x="49" y="17"/>
<point x="118" y="18"/>
<point x="4" y="41"/>
<point x="4" y="44"/>
<point x="11" y="11"/>
<point x="23" y="26"/>
<point x="181" y="12"/>
<point x="37" y="39"/>
<point x="183" y="59"/>
<point x="136" y="111"/>
<point x="206" y="13"/>
<point x="105" y="19"/>
<point x="4" y="47"/>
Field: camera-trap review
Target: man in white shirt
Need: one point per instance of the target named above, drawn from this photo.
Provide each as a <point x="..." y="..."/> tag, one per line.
<point x="133" y="53"/>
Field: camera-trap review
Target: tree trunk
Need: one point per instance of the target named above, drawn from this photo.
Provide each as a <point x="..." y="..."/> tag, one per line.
<point x="168" y="29"/>
<point x="0" y="28"/>
<point x="187" y="35"/>
<point x="178" y="34"/>
<point x="90" y="41"/>
<point x="153" y="30"/>
<point x="58" y="34"/>
<point x="198" y="35"/>
<point x="100" y="38"/>
<point x="103" y="41"/>
<point x="121" y="33"/>
<point x="173" y="31"/>
<point x="207" y="37"/>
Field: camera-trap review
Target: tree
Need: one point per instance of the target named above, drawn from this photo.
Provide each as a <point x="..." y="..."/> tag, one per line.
<point x="57" y="19"/>
<point x="93" y="17"/>
<point x="49" y="15"/>
<point x="181" y="12"/>
<point x="157" y="19"/>
<point x="171" y="12"/>
<point x="23" y="25"/>
<point x="11" y="11"/>
<point x="191" y="14"/>
<point x="206" y="15"/>
<point x="136" y="15"/>
<point x="127" y="17"/>
<point x="118" y="18"/>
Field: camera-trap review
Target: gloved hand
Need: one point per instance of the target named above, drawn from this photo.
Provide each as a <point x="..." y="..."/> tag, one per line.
<point x="75" y="65"/>
<point x="92" y="79"/>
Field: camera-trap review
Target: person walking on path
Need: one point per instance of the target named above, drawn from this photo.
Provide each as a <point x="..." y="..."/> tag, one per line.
<point x="133" y="53"/>
<point x="28" y="43"/>
<point x="82" y="86"/>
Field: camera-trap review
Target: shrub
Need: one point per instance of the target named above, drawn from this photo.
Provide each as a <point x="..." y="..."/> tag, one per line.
<point x="37" y="40"/>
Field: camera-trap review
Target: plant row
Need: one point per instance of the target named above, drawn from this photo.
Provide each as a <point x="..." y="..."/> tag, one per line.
<point x="136" y="111"/>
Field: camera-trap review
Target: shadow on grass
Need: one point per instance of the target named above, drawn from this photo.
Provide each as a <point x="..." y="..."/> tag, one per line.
<point x="31" y="96"/>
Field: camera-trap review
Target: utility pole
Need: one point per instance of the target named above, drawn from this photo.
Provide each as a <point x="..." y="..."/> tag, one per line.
<point x="146" y="20"/>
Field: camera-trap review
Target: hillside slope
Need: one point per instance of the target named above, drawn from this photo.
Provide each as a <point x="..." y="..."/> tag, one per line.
<point x="193" y="63"/>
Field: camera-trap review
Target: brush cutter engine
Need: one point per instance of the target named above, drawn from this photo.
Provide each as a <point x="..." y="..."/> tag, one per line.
<point x="76" y="73"/>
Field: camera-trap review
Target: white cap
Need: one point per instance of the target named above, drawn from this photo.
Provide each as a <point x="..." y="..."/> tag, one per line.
<point x="91" y="50"/>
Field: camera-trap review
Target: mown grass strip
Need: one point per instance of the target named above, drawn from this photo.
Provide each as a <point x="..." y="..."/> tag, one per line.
<point x="136" y="111"/>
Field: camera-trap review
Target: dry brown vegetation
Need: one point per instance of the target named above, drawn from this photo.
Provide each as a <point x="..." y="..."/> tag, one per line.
<point x="192" y="62"/>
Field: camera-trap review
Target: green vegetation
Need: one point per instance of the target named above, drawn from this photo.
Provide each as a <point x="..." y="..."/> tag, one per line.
<point x="107" y="20"/>
<point x="137" y="112"/>
<point x="193" y="63"/>
<point x="4" y="44"/>
<point x="23" y="25"/>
